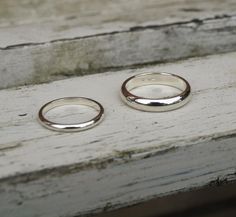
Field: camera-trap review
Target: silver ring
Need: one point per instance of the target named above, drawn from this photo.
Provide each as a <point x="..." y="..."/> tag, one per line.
<point x="154" y="104"/>
<point x="71" y="127"/>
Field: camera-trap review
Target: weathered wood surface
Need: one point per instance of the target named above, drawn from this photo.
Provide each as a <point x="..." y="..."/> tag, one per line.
<point x="77" y="192"/>
<point x="130" y="157"/>
<point x="45" y="21"/>
<point x="42" y="41"/>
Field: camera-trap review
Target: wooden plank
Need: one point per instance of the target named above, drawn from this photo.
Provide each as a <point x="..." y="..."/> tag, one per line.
<point x="130" y="157"/>
<point x="44" y="21"/>
<point x="35" y="64"/>
<point x="211" y="76"/>
<point x="80" y="37"/>
<point x="78" y="192"/>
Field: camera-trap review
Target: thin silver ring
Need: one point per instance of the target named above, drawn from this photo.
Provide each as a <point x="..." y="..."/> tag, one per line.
<point x="71" y="127"/>
<point x="156" y="104"/>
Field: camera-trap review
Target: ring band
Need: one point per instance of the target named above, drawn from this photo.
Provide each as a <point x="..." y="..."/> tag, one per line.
<point x="70" y="101"/>
<point x="156" y="104"/>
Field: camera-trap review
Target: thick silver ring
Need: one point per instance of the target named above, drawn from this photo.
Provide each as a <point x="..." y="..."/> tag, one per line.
<point x="70" y="101"/>
<point x="153" y="104"/>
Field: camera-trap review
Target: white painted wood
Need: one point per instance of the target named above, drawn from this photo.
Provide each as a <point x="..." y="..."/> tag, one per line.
<point x="50" y="61"/>
<point x="130" y="157"/>
<point x="37" y="21"/>
<point x="106" y="186"/>
<point x="210" y="114"/>
<point x="41" y="41"/>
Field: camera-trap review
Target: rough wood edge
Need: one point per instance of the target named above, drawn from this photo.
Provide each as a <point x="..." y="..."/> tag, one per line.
<point x="80" y="56"/>
<point x="213" y="92"/>
<point x="122" y="185"/>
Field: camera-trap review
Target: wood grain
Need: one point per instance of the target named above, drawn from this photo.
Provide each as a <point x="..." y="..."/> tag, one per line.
<point x="130" y="157"/>
<point x="74" y="192"/>
<point x="44" y="21"/>
<point x="41" y="41"/>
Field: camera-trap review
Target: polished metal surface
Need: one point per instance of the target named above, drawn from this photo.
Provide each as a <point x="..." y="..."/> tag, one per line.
<point x="155" y="104"/>
<point x="71" y="127"/>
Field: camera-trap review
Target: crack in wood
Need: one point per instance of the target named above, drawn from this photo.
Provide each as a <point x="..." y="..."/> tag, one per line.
<point x="117" y="158"/>
<point x="8" y="147"/>
<point x="198" y="22"/>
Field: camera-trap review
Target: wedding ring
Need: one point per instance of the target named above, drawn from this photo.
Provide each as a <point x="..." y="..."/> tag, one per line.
<point x="71" y="101"/>
<point x="156" y="104"/>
